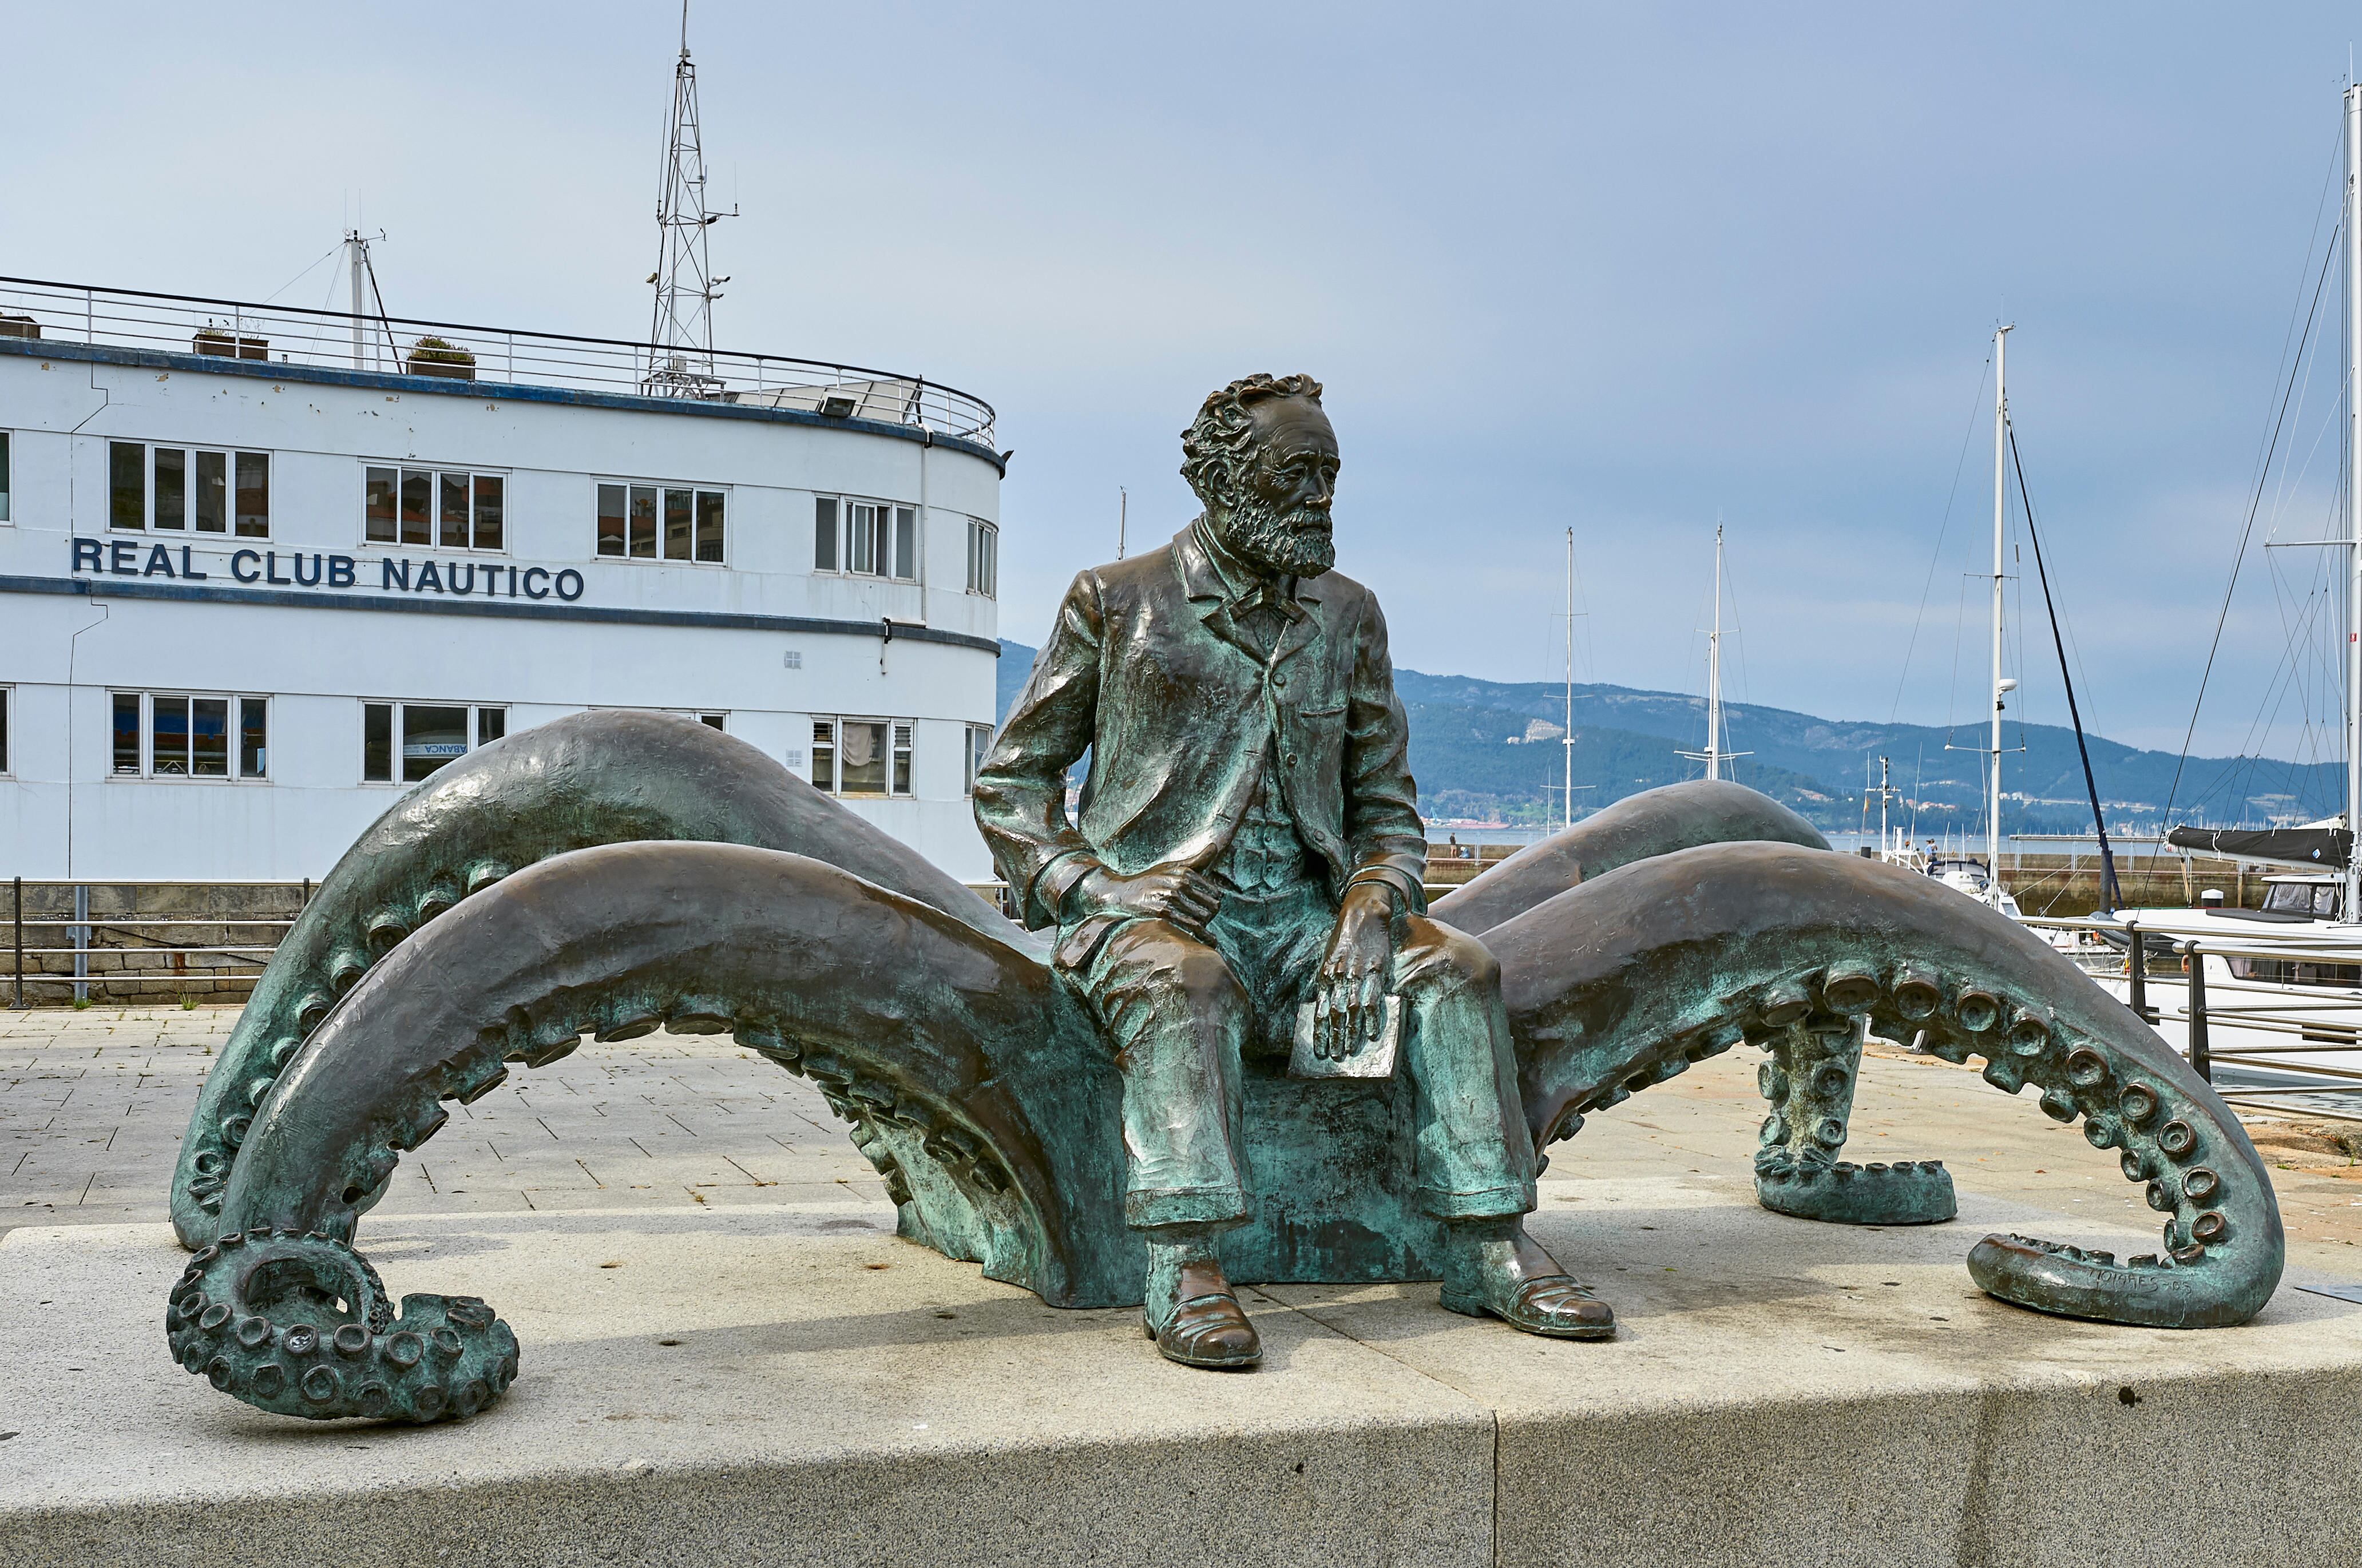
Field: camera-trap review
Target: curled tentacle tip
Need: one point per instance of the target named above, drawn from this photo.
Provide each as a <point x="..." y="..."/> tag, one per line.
<point x="2190" y="1288"/>
<point x="1906" y="1192"/>
<point x="300" y="1326"/>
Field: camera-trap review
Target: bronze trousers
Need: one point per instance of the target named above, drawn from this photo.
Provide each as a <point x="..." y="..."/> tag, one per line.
<point x="1179" y="1013"/>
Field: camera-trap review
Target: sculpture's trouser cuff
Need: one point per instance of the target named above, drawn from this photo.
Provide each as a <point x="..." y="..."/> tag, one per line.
<point x="1178" y="1011"/>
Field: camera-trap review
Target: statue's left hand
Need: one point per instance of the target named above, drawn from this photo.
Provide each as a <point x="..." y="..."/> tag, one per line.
<point x="1350" y="994"/>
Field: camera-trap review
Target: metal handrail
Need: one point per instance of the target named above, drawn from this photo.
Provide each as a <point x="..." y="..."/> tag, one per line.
<point x="241" y="330"/>
<point x="236" y="961"/>
<point x="199" y="920"/>
<point x="2197" y="1013"/>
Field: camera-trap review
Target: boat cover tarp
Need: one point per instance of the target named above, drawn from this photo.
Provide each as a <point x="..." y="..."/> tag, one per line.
<point x="2323" y="847"/>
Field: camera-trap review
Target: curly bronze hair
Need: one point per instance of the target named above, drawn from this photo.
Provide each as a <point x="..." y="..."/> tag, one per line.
<point x="1222" y="438"/>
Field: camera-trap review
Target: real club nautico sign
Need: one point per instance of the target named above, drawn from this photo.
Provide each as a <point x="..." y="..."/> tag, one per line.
<point x="325" y="570"/>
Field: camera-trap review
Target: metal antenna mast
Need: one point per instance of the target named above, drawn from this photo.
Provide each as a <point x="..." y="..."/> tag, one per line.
<point x="2001" y="689"/>
<point x="1567" y="740"/>
<point x="680" y="337"/>
<point x="1714" y="756"/>
<point x="2350" y="906"/>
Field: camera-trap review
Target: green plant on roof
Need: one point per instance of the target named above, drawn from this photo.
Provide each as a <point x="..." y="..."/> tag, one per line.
<point x="437" y="351"/>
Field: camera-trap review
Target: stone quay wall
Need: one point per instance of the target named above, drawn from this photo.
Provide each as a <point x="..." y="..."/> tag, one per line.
<point x="218" y="938"/>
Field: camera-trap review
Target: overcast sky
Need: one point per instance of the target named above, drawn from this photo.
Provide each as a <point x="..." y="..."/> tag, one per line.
<point x="1560" y="266"/>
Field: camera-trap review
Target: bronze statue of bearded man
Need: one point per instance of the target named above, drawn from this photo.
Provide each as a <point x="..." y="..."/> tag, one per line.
<point x="1248" y="850"/>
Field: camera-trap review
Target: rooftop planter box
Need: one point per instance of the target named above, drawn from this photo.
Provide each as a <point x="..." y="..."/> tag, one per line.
<point x="229" y="345"/>
<point x="435" y="357"/>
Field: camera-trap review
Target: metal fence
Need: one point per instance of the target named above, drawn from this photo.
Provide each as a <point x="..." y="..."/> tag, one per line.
<point x="2292" y="1041"/>
<point x="124" y="952"/>
<point x="296" y="334"/>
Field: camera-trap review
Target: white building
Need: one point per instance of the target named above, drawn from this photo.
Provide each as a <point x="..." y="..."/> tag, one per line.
<point x="261" y="567"/>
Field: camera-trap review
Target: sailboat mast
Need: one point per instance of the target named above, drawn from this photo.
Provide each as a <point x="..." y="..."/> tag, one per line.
<point x="2350" y="909"/>
<point x="1567" y="740"/>
<point x="1714" y="670"/>
<point x="1992" y="759"/>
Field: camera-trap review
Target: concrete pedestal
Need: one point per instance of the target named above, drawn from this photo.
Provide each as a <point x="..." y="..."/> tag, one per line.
<point x="791" y="1385"/>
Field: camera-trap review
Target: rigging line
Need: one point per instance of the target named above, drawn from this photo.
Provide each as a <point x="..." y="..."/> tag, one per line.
<point x="2109" y="896"/>
<point x="300" y="276"/>
<point x="1952" y="697"/>
<point x="2287" y="678"/>
<point x="2291" y="672"/>
<point x="1936" y="559"/>
<point x="2328" y="182"/>
<point x="2289" y="482"/>
<point x="2254" y="505"/>
<point x="392" y="347"/>
<point x="2293" y="655"/>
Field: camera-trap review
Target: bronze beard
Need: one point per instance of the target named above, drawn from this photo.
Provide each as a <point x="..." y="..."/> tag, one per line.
<point x="1277" y="544"/>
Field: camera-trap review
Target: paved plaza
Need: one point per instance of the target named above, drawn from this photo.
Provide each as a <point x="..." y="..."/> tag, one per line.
<point x="93" y="1104"/>
<point x="730" y="1358"/>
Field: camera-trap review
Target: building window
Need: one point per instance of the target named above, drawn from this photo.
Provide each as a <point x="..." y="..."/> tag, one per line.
<point x="865" y="538"/>
<point x="862" y="757"/>
<point x="404" y="742"/>
<point x="172" y="734"/>
<point x="4" y="484"/>
<point x="660" y="522"/>
<point x="5" y="697"/>
<point x="443" y="509"/>
<point x="188" y="490"/>
<point x="979" y="745"/>
<point x="983" y="557"/>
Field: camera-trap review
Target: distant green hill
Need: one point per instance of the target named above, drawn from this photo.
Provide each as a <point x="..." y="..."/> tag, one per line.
<point x="1627" y="740"/>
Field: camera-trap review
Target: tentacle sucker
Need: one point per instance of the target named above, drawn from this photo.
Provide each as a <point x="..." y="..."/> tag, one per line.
<point x="1609" y="983"/>
<point x="586" y="779"/>
<point x="929" y="1026"/>
<point x="1809" y="1081"/>
<point x="300" y="1325"/>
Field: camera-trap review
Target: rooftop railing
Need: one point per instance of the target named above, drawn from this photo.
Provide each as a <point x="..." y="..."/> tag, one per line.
<point x="296" y="334"/>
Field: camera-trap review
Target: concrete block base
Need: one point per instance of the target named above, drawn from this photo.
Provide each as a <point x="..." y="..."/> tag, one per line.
<point x="793" y="1385"/>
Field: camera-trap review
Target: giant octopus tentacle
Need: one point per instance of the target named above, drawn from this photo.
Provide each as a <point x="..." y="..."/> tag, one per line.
<point x="1810" y="1082"/>
<point x="1688" y="816"/>
<point x="1638" y="827"/>
<point x="961" y="1044"/>
<point x="1623" y="982"/>
<point x="589" y="778"/>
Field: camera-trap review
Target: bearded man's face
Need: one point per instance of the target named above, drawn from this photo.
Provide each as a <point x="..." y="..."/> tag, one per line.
<point x="1275" y="518"/>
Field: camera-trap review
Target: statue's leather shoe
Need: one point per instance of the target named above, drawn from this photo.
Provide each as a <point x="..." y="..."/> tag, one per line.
<point x="1554" y="1305"/>
<point x="1208" y="1331"/>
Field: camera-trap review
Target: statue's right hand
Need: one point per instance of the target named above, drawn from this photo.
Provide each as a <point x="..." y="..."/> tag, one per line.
<point x="1173" y="891"/>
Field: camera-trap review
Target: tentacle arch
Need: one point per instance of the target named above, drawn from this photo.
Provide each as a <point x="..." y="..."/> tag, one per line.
<point x="585" y="779"/>
<point x="1624" y="982"/>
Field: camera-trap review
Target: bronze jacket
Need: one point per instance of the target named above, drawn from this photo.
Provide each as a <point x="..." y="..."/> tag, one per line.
<point x="1147" y="670"/>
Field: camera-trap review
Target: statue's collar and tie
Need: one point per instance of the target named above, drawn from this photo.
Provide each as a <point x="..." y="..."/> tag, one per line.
<point x="1259" y="611"/>
<point x="1240" y="586"/>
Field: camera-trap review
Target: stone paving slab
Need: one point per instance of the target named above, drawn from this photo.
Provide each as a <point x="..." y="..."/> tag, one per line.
<point x="746" y="1386"/>
<point x="93" y="1105"/>
<point x="837" y="1395"/>
<point x="792" y="1384"/>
